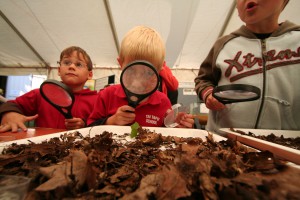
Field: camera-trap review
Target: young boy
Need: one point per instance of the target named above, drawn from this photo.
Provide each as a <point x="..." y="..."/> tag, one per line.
<point x="262" y="53"/>
<point x="111" y="107"/>
<point x="74" y="70"/>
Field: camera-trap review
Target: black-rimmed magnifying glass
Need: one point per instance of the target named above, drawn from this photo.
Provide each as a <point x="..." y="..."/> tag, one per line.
<point x="139" y="80"/>
<point x="236" y="93"/>
<point x="58" y="95"/>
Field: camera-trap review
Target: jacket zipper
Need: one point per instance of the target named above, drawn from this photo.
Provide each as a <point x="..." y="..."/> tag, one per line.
<point x="264" y="58"/>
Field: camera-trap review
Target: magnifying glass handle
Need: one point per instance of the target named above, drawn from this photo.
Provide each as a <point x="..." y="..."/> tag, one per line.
<point x="68" y="116"/>
<point x="131" y="104"/>
<point x="66" y="113"/>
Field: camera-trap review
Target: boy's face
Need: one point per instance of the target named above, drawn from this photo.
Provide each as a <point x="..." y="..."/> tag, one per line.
<point x="73" y="71"/>
<point x="256" y="11"/>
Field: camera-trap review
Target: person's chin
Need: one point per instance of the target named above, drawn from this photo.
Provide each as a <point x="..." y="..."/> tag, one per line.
<point x="70" y="80"/>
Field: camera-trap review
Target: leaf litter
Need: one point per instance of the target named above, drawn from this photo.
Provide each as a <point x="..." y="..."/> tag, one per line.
<point x="150" y="166"/>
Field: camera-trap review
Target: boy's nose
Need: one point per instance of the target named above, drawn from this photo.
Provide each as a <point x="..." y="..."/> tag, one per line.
<point x="72" y="65"/>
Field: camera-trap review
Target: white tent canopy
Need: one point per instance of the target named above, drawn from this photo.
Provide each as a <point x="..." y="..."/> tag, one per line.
<point x="34" y="32"/>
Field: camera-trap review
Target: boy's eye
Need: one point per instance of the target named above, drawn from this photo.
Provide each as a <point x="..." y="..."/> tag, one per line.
<point x="66" y="62"/>
<point x="79" y="64"/>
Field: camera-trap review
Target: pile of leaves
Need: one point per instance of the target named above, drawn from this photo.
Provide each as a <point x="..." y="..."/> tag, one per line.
<point x="285" y="141"/>
<point x="150" y="167"/>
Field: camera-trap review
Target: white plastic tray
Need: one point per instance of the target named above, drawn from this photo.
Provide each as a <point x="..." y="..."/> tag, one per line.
<point x="119" y="130"/>
<point x="281" y="151"/>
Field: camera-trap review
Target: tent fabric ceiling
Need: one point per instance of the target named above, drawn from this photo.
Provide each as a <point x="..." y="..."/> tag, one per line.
<point x="34" y="32"/>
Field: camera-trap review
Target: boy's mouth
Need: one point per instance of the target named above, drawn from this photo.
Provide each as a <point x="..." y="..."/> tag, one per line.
<point x="250" y="6"/>
<point x="71" y="74"/>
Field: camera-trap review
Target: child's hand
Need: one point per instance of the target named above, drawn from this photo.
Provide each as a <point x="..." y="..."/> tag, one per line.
<point x="185" y="120"/>
<point x="125" y="115"/>
<point x="13" y="121"/>
<point x="74" y="123"/>
<point x="213" y="104"/>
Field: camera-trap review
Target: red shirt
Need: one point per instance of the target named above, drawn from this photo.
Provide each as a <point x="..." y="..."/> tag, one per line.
<point x="169" y="81"/>
<point x="149" y="113"/>
<point x="33" y="103"/>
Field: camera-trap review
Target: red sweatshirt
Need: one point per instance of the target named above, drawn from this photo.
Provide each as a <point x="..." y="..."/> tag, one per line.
<point x="149" y="113"/>
<point x="33" y="103"/>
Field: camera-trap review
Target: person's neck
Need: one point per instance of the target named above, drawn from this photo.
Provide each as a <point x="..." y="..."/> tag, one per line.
<point x="76" y="88"/>
<point x="263" y="27"/>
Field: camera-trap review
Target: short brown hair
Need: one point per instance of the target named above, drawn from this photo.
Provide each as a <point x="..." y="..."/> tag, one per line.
<point x="68" y="51"/>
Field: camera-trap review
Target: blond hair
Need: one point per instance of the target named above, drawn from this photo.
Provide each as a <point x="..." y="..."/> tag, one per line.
<point x="143" y="43"/>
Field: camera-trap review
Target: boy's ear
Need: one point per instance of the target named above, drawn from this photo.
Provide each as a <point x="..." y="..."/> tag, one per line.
<point x="90" y="76"/>
<point x="58" y="71"/>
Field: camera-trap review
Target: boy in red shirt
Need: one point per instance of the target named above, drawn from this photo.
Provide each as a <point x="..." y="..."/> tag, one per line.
<point x="74" y="70"/>
<point x="111" y="107"/>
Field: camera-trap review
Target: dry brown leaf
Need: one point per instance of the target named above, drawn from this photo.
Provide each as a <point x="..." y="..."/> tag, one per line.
<point x="173" y="185"/>
<point x="190" y="149"/>
<point x="122" y="173"/>
<point x="148" y="186"/>
<point x="59" y="174"/>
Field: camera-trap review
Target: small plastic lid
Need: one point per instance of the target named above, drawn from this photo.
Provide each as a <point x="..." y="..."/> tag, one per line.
<point x="170" y="117"/>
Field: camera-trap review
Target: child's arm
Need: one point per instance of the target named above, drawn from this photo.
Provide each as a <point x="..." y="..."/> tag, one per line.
<point x="13" y="121"/>
<point x="121" y="117"/>
<point x="125" y="115"/>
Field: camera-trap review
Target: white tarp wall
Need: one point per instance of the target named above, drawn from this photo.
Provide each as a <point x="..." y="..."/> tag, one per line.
<point x="34" y="32"/>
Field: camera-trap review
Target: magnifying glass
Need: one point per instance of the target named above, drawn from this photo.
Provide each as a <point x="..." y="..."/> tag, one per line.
<point x="58" y="95"/>
<point x="139" y="80"/>
<point x="236" y="93"/>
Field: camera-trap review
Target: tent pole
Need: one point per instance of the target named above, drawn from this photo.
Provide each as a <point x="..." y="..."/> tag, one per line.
<point x="111" y="23"/>
<point x="23" y="38"/>
<point x="228" y="17"/>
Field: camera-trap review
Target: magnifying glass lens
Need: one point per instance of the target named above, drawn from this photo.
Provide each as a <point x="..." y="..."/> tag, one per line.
<point x="236" y="94"/>
<point x="57" y="95"/>
<point x="139" y="80"/>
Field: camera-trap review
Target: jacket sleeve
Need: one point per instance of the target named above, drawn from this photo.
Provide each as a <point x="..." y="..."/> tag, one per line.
<point x="206" y="79"/>
<point x="209" y="74"/>
<point x="25" y="104"/>
<point x="9" y="107"/>
<point x="29" y="102"/>
<point x="98" y="115"/>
